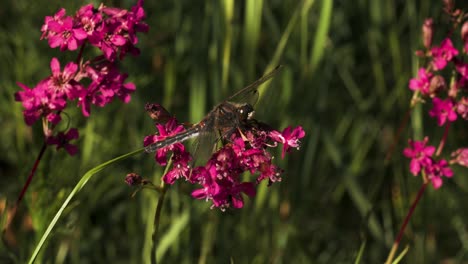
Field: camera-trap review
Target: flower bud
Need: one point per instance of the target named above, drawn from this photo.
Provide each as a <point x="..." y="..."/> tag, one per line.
<point x="419" y="53"/>
<point x="464" y="34"/>
<point x="428" y="32"/>
<point x="133" y="179"/>
<point x="436" y="85"/>
<point x="157" y="112"/>
<point x="462" y="108"/>
<point x="460" y="157"/>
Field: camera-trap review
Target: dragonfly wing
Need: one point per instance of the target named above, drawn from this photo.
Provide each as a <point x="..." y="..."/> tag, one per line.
<point x="250" y="94"/>
<point x="203" y="148"/>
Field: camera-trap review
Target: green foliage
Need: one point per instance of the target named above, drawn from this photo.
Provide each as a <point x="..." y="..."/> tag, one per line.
<point x="347" y="66"/>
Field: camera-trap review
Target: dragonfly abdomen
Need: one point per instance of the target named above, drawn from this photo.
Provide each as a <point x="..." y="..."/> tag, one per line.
<point x="181" y="137"/>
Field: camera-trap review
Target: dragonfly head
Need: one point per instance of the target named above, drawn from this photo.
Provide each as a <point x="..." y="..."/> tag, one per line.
<point x="245" y="112"/>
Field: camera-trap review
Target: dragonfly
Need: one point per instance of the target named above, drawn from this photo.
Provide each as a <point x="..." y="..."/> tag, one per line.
<point x="234" y="113"/>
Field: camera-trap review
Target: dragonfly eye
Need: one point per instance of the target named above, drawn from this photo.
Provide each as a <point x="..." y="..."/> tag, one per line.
<point x="245" y="111"/>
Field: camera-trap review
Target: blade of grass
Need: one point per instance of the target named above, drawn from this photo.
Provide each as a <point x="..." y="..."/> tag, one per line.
<point x="172" y="236"/>
<point x="361" y="252"/>
<point x="275" y="61"/>
<point x="252" y="25"/>
<point x="400" y="257"/>
<point x="228" y="7"/>
<point x="86" y="177"/>
<point x="305" y="30"/>
<point x="321" y="35"/>
<point x="198" y="96"/>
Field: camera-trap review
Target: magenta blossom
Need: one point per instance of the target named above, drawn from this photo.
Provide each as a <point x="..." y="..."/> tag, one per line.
<point x="422" y="82"/>
<point x="62" y="140"/>
<point x="443" y="54"/>
<point x="436" y="170"/>
<point x="169" y="129"/>
<point x="106" y="83"/>
<point x="420" y="155"/>
<point x="39" y="102"/>
<point x="63" y="83"/>
<point x="460" y="156"/>
<point x="180" y="167"/>
<point x="443" y="110"/>
<point x="113" y="30"/>
<point x="58" y="17"/>
<point x="51" y="95"/>
<point x="108" y="39"/>
<point x="289" y="138"/>
<point x="88" y="18"/>
<point x="221" y="182"/>
<point x="63" y="32"/>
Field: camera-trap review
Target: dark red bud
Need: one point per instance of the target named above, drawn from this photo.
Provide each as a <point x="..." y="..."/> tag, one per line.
<point x="437" y="84"/>
<point x="428" y="33"/>
<point x="419" y="53"/>
<point x="133" y="179"/>
<point x="464" y="32"/>
<point x="157" y="112"/>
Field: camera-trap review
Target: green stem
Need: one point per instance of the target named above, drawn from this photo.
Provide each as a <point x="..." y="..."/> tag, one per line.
<point x="31" y="174"/>
<point x="405" y="223"/>
<point x="443" y="140"/>
<point x="157" y="214"/>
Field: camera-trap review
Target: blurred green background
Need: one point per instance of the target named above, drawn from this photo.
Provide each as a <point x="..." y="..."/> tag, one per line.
<point x="347" y="66"/>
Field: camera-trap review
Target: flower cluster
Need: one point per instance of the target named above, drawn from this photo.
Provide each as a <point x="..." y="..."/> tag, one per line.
<point x="96" y="81"/>
<point x="422" y="160"/>
<point x="112" y="30"/>
<point x="443" y="80"/>
<point x="245" y="150"/>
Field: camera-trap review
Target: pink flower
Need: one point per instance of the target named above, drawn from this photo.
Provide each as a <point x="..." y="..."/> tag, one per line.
<point x="62" y="140"/>
<point x="39" y="102"/>
<point x="169" y="129"/>
<point x="443" y="110"/>
<point x="460" y="156"/>
<point x="108" y="38"/>
<point x="88" y="18"/>
<point x="422" y="82"/>
<point x="58" y="17"/>
<point x="220" y="177"/>
<point x="180" y="168"/>
<point x="435" y="172"/>
<point x="420" y="155"/>
<point x="443" y="54"/>
<point x="223" y="188"/>
<point x="289" y="138"/>
<point x="106" y="83"/>
<point x="113" y="30"/>
<point x="63" y="33"/>
<point x="62" y="83"/>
